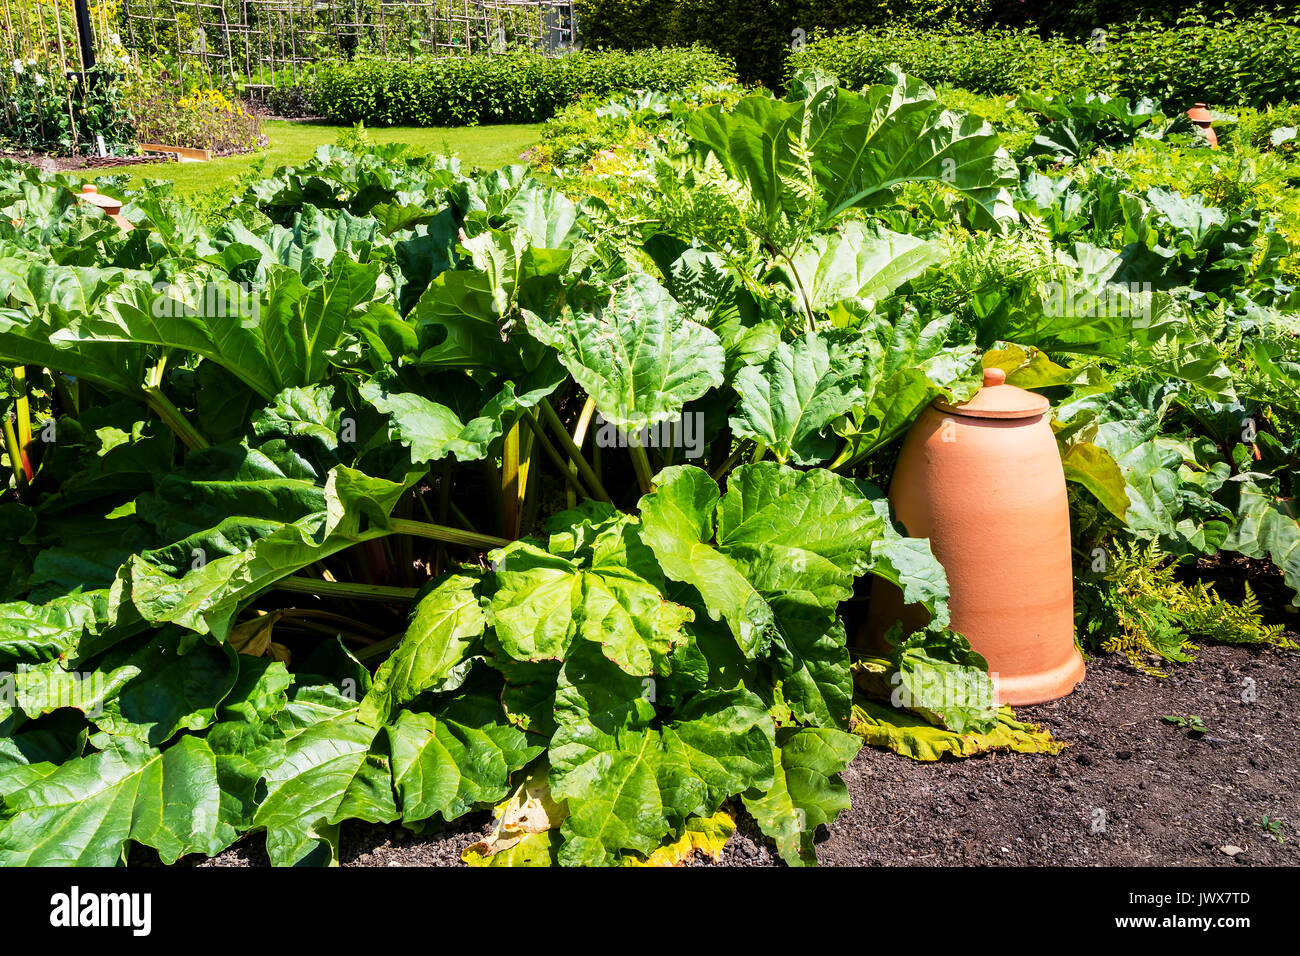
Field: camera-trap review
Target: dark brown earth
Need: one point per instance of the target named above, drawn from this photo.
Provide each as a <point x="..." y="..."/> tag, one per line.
<point x="47" y="163"/>
<point x="1129" y="790"/>
<point x="1166" y="797"/>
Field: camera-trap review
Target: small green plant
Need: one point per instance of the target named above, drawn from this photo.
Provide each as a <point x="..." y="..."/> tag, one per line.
<point x="356" y="139"/>
<point x="1272" y="827"/>
<point x="1140" y="608"/>
<point x="1192" y="723"/>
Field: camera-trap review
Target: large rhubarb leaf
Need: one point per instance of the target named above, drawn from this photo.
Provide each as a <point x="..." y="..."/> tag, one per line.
<point x="445" y="626"/>
<point x="896" y="132"/>
<point x="806" y="790"/>
<point x="434" y="431"/>
<point x="637" y="354"/>
<point x="910" y="361"/>
<point x="1267" y="528"/>
<point x="43" y="299"/>
<point x="936" y="675"/>
<point x="855" y="147"/>
<point x="285" y="341"/>
<point x="629" y="789"/>
<point x="356" y="509"/>
<point x="83" y="812"/>
<point x="804" y="535"/>
<point x="778" y="534"/>
<point x="913" y="736"/>
<point x="31" y="633"/>
<point x="599" y="584"/>
<point x="448" y="768"/>
<point x="860" y="262"/>
<point x="176" y="689"/>
<point x="679" y="525"/>
<point x="810" y="657"/>
<point x="789" y="402"/>
<point x="331" y="772"/>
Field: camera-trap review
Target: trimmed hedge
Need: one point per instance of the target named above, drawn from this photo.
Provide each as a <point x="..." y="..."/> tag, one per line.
<point x="763" y="35"/>
<point x="1251" y="62"/>
<point x="991" y="62"/>
<point x="505" y="88"/>
<point x="757" y="34"/>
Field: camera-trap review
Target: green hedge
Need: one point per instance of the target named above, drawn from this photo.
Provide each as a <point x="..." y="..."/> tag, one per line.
<point x="757" y="34"/>
<point x="1251" y="62"/>
<point x="506" y="88"/>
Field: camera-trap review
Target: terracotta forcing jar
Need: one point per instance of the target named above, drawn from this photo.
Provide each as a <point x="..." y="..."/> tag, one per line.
<point x="1202" y="117"/>
<point x="983" y="481"/>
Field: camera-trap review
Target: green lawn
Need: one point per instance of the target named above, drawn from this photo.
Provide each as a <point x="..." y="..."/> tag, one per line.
<point x="486" y="146"/>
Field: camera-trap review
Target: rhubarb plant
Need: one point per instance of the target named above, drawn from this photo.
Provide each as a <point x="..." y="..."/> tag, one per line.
<point x="373" y="498"/>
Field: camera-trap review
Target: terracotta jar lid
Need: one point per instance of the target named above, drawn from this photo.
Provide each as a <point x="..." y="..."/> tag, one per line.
<point x="91" y="194"/>
<point x="997" y="399"/>
<point x="1199" y="114"/>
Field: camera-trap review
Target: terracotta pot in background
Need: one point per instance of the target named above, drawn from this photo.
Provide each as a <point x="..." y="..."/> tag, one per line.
<point x="983" y="481"/>
<point x="1199" y="115"/>
<point x="111" y="207"/>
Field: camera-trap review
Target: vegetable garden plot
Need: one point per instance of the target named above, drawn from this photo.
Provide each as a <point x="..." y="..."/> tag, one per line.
<point x="307" y="520"/>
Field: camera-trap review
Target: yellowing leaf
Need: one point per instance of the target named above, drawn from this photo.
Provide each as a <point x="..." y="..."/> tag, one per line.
<point x="529" y="849"/>
<point x="708" y="835"/>
<point x="912" y="736"/>
<point x="527" y="832"/>
<point x="253" y="638"/>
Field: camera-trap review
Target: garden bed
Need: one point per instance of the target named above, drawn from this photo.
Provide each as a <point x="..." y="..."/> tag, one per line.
<point x="64" y="164"/>
<point x="448" y="605"/>
<point x="1171" y="797"/>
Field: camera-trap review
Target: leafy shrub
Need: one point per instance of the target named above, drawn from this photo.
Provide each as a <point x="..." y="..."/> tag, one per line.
<point x="1081" y="17"/>
<point x="1252" y="62"/>
<point x="992" y="62"/>
<point x="508" y="88"/>
<point x="757" y="34"/>
<point x="294" y="102"/>
<point x="202" y="119"/>
<point x="1245" y="62"/>
<point x="760" y="34"/>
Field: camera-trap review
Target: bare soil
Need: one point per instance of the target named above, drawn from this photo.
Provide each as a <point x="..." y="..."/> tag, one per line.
<point x="47" y="162"/>
<point x="1130" y="790"/>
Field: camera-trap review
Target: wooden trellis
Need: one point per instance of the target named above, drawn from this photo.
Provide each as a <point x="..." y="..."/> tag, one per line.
<point x="271" y="43"/>
<point x="39" y="38"/>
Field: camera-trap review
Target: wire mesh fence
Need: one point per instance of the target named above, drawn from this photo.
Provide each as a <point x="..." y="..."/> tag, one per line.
<point x="271" y="43"/>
